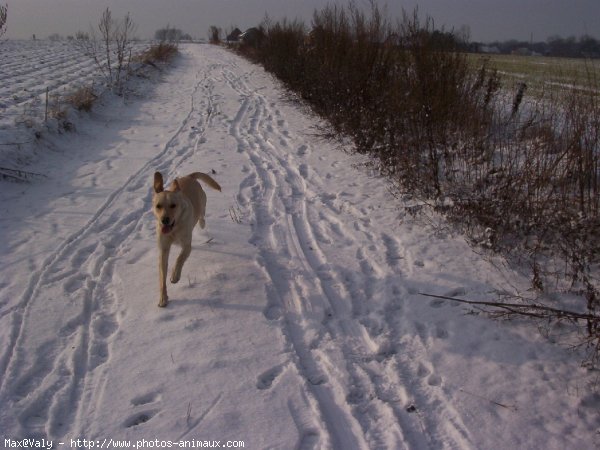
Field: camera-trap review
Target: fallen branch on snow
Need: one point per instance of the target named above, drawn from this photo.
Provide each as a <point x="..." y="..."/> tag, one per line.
<point x="493" y="402"/>
<point x="538" y="311"/>
<point x="18" y="175"/>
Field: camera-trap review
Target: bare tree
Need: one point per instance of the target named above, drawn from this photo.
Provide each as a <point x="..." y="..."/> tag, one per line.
<point x="169" y="34"/>
<point x="111" y="50"/>
<point x="214" y="34"/>
<point x="106" y="27"/>
<point x="3" y="18"/>
<point x="123" y="46"/>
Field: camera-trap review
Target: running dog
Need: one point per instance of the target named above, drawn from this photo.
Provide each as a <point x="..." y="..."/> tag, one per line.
<point x="177" y="210"/>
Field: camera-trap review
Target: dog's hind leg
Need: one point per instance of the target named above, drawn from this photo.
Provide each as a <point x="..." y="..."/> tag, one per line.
<point x="185" y="252"/>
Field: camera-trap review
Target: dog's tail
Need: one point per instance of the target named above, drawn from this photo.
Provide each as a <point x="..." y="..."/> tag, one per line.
<point x="207" y="179"/>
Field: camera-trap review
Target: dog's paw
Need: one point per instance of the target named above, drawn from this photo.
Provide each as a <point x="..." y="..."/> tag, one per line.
<point x="176" y="274"/>
<point x="163" y="302"/>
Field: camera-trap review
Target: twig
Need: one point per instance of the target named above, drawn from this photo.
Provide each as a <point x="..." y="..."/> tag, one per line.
<point x="509" y="407"/>
<point x="192" y="426"/>
<point x="189" y="413"/>
<point x="18" y="175"/>
<point x="46" y="110"/>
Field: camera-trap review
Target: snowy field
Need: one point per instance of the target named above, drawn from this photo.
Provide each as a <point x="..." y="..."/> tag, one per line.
<point x="297" y="323"/>
<point x="29" y="70"/>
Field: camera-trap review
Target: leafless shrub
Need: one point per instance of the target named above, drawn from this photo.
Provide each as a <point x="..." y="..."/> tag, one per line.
<point x="161" y="52"/>
<point x="3" y="18"/>
<point x="116" y="39"/>
<point x="111" y="50"/>
<point x="518" y="174"/>
<point x="58" y="111"/>
<point x="57" y="108"/>
<point x="171" y="34"/>
<point x="214" y="34"/>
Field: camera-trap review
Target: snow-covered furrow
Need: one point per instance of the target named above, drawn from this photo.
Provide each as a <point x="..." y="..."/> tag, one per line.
<point x="287" y="298"/>
<point x="29" y="69"/>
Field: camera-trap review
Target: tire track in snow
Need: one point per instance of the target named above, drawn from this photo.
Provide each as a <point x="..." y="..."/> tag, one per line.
<point x="320" y="291"/>
<point x="312" y="294"/>
<point x="422" y="387"/>
<point x="356" y="345"/>
<point x="287" y="294"/>
<point x="52" y="387"/>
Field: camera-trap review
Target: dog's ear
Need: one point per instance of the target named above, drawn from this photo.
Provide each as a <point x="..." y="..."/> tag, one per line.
<point x="176" y="186"/>
<point x="158" y="183"/>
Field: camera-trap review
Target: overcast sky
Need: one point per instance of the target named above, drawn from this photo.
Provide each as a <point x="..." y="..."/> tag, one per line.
<point x="487" y="20"/>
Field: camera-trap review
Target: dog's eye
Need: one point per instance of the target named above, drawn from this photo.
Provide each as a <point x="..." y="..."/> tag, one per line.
<point x="159" y="206"/>
<point x="173" y="206"/>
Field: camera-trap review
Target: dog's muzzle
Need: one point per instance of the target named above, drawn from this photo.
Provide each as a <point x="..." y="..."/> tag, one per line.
<point x="167" y="226"/>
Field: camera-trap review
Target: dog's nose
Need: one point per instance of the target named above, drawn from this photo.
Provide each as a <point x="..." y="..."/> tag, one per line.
<point x="165" y="221"/>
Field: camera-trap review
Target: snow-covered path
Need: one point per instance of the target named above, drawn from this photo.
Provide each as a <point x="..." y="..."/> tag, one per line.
<point x="297" y="322"/>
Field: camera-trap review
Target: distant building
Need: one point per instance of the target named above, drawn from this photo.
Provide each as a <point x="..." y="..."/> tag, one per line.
<point x="489" y="49"/>
<point x="234" y="36"/>
<point x="522" y="51"/>
<point x="252" y="37"/>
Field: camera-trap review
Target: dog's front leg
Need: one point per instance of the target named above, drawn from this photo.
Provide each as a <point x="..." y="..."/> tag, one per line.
<point x="183" y="256"/>
<point x="163" y="262"/>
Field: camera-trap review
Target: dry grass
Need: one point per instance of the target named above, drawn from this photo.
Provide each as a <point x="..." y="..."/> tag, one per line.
<point x="82" y="99"/>
<point x="162" y="52"/>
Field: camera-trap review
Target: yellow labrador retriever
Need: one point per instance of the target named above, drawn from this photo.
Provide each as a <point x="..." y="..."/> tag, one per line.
<point x="177" y="210"/>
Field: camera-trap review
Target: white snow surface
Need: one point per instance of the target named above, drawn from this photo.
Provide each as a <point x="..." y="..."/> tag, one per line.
<point x="297" y="323"/>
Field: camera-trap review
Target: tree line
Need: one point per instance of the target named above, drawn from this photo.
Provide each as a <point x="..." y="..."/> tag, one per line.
<point x="585" y="46"/>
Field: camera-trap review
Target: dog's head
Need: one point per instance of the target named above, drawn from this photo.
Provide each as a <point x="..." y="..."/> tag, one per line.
<point x="167" y="206"/>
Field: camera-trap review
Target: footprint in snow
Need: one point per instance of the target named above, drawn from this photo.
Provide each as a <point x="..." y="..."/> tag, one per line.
<point x="272" y="312"/>
<point x="434" y="380"/>
<point x="441" y="332"/>
<point x="423" y="371"/>
<point x="302" y="150"/>
<point x="437" y="303"/>
<point x="140" y="418"/>
<point x="304" y="171"/>
<point x="98" y="354"/>
<point x="104" y="326"/>
<point x="144" y="399"/>
<point x="82" y="255"/>
<point x="74" y="284"/>
<point x="457" y="292"/>
<point x="266" y="379"/>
